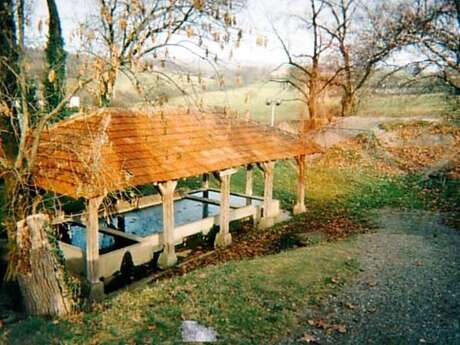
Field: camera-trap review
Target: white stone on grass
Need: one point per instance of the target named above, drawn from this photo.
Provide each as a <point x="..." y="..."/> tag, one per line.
<point x="192" y="331"/>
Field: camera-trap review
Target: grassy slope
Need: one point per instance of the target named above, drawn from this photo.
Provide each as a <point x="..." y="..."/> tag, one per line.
<point x="247" y="302"/>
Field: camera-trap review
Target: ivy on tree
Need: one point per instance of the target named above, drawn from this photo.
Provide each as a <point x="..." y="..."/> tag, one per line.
<point x="54" y="81"/>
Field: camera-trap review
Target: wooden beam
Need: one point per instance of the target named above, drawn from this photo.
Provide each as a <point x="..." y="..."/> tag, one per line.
<point x="92" y="247"/>
<point x="168" y="256"/>
<point x="299" y="206"/>
<point x="224" y="238"/>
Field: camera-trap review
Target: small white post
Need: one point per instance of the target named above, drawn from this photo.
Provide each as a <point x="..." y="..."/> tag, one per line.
<point x="168" y="256"/>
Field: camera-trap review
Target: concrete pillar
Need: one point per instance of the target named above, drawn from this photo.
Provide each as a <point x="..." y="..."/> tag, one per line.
<point x="168" y="256"/>
<point x="224" y="238"/>
<point x="249" y="181"/>
<point x="299" y="206"/>
<point x="92" y="248"/>
<point x="269" y="214"/>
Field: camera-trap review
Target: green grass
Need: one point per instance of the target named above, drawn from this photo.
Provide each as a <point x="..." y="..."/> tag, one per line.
<point x="244" y="301"/>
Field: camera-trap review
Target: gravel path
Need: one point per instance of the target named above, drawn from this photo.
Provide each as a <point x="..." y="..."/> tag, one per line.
<point x="407" y="292"/>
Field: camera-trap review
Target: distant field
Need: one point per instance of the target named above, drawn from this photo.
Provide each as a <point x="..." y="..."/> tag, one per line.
<point x="405" y="105"/>
<point x="252" y="98"/>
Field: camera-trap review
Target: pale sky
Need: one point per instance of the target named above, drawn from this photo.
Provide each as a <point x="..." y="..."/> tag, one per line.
<point x="255" y="19"/>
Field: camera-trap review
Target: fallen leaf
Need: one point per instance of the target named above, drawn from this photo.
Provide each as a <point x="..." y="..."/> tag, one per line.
<point x="308" y="338"/>
<point x="320" y="323"/>
<point x="340" y="328"/>
<point x="350" y="306"/>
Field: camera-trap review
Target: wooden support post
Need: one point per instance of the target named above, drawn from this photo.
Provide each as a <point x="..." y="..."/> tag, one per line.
<point x="249" y="182"/>
<point x="299" y="207"/>
<point x="205" y="186"/>
<point x="92" y="248"/>
<point x="121" y="224"/>
<point x="268" y="216"/>
<point x="205" y="183"/>
<point x="224" y="238"/>
<point x="168" y="257"/>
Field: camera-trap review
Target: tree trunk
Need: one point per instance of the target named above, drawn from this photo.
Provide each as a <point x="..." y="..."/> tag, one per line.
<point x="313" y="92"/>
<point x="106" y="90"/>
<point x="40" y="275"/>
<point x="348" y="103"/>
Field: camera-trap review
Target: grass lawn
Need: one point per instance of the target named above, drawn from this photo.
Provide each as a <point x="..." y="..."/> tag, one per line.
<point x="246" y="302"/>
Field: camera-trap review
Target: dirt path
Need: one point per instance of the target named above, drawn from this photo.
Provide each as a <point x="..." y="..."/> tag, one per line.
<point x="407" y="292"/>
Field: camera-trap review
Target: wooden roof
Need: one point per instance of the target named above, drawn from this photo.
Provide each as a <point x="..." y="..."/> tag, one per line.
<point x="113" y="149"/>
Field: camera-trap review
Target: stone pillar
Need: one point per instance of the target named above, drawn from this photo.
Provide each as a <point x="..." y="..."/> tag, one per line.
<point x="267" y="219"/>
<point x="92" y="248"/>
<point x="168" y="257"/>
<point x="249" y="181"/>
<point x="299" y="206"/>
<point x="224" y="238"/>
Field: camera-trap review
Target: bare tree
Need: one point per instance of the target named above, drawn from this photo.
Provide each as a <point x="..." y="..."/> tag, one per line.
<point x="350" y="40"/>
<point x="365" y="35"/>
<point x="128" y="32"/>
<point x="438" y="37"/>
<point x="307" y="76"/>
